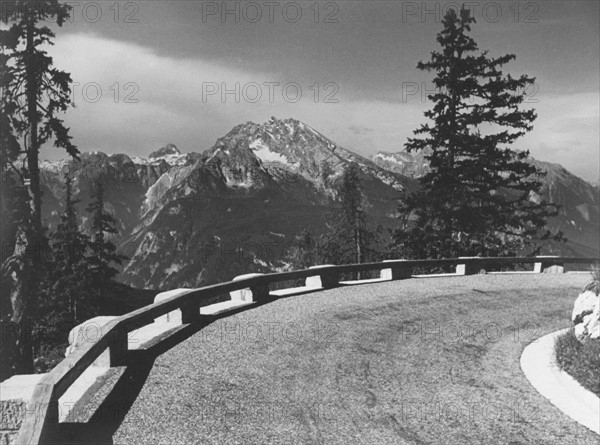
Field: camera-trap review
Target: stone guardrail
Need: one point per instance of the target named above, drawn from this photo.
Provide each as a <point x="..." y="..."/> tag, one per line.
<point x="41" y="424"/>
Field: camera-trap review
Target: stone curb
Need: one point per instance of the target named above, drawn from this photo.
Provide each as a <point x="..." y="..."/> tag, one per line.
<point x="538" y="362"/>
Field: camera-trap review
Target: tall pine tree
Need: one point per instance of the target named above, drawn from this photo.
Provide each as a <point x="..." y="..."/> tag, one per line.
<point x="103" y="252"/>
<point x="71" y="268"/>
<point x="476" y="199"/>
<point x="33" y="93"/>
<point x="349" y="239"/>
<point x="354" y="217"/>
<point x="66" y="294"/>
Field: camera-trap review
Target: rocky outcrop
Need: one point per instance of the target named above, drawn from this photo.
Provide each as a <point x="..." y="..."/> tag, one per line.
<point x="586" y="316"/>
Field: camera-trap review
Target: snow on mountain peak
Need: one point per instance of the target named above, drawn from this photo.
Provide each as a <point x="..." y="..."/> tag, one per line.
<point x="169" y="154"/>
<point x="413" y="165"/>
<point x="169" y="149"/>
<point x="263" y="152"/>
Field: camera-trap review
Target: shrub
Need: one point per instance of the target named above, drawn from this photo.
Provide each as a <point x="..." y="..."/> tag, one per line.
<point x="594" y="285"/>
<point x="580" y="360"/>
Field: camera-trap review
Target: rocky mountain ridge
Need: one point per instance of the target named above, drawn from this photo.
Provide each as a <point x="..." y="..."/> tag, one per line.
<point x="192" y="219"/>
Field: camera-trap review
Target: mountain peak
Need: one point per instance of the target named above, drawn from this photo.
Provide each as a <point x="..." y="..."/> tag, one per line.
<point x="169" y="149"/>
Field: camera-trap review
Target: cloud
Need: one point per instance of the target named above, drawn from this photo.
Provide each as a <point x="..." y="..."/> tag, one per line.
<point x="148" y="100"/>
<point x="131" y="99"/>
<point x="566" y="132"/>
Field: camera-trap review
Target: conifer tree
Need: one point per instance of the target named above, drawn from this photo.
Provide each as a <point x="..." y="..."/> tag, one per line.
<point x="71" y="270"/>
<point x="103" y="252"/>
<point x="349" y="239"/>
<point x="476" y="199"/>
<point x="354" y="217"/>
<point x="33" y="93"/>
<point x="305" y="251"/>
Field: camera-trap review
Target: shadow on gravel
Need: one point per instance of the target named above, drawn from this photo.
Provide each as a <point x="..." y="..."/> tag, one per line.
<point x="111" y="413"/>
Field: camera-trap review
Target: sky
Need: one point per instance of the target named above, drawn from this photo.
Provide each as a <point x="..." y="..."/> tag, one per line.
<point x="148" y="73"/>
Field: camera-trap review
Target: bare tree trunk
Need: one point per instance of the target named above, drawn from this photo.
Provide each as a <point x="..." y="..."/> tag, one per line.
<point x="33" y="149"/>
<point x="28" y="247"/>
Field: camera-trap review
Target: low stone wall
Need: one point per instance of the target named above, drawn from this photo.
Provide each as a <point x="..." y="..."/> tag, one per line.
<point x="14" y="394"/>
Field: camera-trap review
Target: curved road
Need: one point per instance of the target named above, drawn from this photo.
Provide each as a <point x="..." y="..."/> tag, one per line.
<point x="419" y="361"/>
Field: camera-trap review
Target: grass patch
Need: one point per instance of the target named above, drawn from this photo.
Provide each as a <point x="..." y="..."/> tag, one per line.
<point x="581" y="361"/>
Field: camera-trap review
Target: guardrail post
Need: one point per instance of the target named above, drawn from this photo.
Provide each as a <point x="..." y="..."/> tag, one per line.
<point x="173" y="317"/>
<point x="396" y="271"/>
<point x="260" y="292"/>
<point x="190" y="313"/>
<point x="327" y="279"/>
<point x="548" y="264"/>
<point x="468" y="268"/>
<point x="118" y="347"/>
<point x="330" y="279"/>
<point x="51" y="429"/>
<point x="256" y="292"/>
<point x="40" y="423"/>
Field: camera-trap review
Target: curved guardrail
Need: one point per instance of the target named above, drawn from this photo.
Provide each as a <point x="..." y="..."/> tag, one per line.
<point x="42" y="427"/>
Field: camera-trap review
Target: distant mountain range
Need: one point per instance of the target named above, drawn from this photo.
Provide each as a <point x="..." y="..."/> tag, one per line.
<point x="192" y="219"/>
<point x="578" y="217"/>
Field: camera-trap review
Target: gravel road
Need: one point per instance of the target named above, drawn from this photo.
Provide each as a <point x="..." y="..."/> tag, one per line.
<point x="419" y="361"/>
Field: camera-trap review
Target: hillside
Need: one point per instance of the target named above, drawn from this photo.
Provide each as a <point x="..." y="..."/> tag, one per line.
<point x="193" y="219"/>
